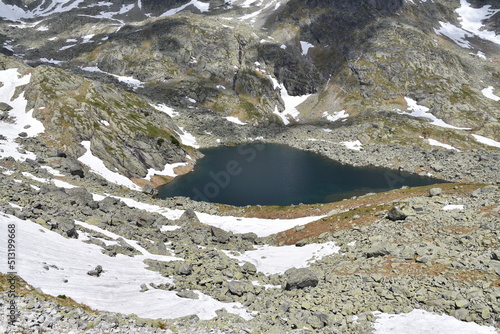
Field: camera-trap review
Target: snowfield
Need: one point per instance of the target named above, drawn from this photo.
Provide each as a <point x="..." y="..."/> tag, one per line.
<point x="23" y="120"/>
<point x="59" y="266"/>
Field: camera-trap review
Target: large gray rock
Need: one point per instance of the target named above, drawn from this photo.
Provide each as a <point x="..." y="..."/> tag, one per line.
<point x="299" y="279"/>
<point x="185" y="269"/>
<point x="376" y="250"/>
<point x="239" y="288"/>
<point x="188" y="217"/>
<point x="399" y="212"/>
<point x="5" y="107"/>
<point x="187" y="294"/>
<point x="220" y="236"/>
<point x="67" y="227"/>
<point x="435" y="192"/>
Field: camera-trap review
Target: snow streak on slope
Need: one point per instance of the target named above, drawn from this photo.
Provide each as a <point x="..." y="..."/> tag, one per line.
<point x="291" y="103"/>
<point x="422" y="111"/>
<point x="97" y="166"/>
<point x="488" y="92"/>
<point x="15" y="13"/>
<point x="487" y="141"/>
<point x="261" y="227"/>
<point x="22" y="121"/>
<point x="59" y="266"/>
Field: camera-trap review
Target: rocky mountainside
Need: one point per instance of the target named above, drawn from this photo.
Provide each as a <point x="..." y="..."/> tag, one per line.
<point x="100" y="100"/>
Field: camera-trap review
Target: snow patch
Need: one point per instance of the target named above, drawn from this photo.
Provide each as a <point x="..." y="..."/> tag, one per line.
<point x="305" y="46"/>
<point x="434" y="142"/>
<point x="487" y="141"/>
<point x="167" y="171"/>
<point x="422" y="111"/>
<point x="472" y="19"/>
<point x="488" y="92"/>
<point x="187" y="138"/>
<point x="453" y="207"/>
<point x="261" y="227"/>
<point x="97" y="166"/>
<point x="276" y="260"/>
<point x="118" y="287"/>
<point x="456" y="34"/>
<point x="353" y="145"/>
<point x="167" y="110"/>
<point x="421" y="322"/>
<point x="202" y="7"/>
<point x="335" y="116"/>
<point x="291" y="103"/>
<point x="127" y="80"/>
<point x="235" y="120"/>
<point x="23" y="121"/>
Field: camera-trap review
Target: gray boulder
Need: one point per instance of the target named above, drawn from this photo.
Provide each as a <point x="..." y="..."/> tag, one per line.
<point x="95" y="272"/>
<point x="75" y="168"/>
<point x="220" y="236"/>
<point x="396" y="214"/>
<point x="376" y="250"/>
<point x="187" y="294"/>
<point x="299" y="279"/>
<point x="185" y="269"/>
<point x="249" y="268"/>
<point x="188" y="217"/>
<point x="148" y="189"/>
<point x="5" y="107"/>
<point x="435" y="192"/>
<point x="67" y="227"/>
<point x="239" y="288"/>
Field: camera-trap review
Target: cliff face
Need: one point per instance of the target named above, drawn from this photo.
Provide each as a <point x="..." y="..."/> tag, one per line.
<point x="125" y="132"/>
<point x="371" y="61"/>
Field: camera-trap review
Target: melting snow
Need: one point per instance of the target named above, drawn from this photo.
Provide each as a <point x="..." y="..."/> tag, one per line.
<point x="50" y="61"/>
<point x="276" y="260"/>
<point x="486" y="141"/>
<point x="423" y="322"/>
<point x="127" y="80"/>
<point x="235" y="120"/>
<point x="187" y="138"/>
<point x="291" y="103"/>
<point x="305" y="46"/>
<point x="168" y="170"/>
<point x="23" y="121"/>
<point x="453" y="207"/>
<point x="202" y="7"/>
<point x="97" y="166"/>
<point x="167" y="110"/>
<point x="456" y="34"/>
<point x="335" y="116"/>
<point x="15" y="13"/>
<point x="434" y="142"/>
<point x="471" y="21"/>
<point x="261" y="227"/>
<point x="488" y="92"/>
<point x="422" y="111"/>
<point x="118" y="287"/>
<point x="353" y="145"/>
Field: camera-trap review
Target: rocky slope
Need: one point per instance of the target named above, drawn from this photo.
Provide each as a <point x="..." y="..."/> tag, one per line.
<point x="96" y="94"/>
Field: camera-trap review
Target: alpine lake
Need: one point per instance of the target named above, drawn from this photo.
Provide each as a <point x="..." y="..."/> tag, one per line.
<point x="272" y="174"/>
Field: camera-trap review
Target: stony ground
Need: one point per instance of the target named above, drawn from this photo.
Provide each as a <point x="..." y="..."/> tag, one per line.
<point x="399" y="251"/>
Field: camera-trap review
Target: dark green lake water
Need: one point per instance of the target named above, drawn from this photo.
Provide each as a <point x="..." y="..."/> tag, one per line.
<point x="269" y="174"/>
